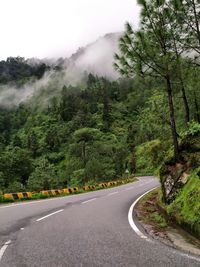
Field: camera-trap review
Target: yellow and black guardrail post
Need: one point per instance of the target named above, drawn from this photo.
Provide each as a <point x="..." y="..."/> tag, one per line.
<point x="89" y="187"/>
<point x="16" y="196"/>
<point x="56" y="192"/>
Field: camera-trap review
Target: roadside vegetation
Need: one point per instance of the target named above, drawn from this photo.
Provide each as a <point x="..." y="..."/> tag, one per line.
<point x="166" y="48"/>
<point x="96" y="130"/>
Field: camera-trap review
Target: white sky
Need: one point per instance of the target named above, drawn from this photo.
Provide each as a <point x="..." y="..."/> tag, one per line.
<point x="53" y="28"/>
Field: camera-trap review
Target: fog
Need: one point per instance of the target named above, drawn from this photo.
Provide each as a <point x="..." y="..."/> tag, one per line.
<point x="51" y="28"/>
<point x="95" y="58"/>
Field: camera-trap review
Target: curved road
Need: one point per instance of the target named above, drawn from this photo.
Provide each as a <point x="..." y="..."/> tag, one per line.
<point x="90" y="229"/>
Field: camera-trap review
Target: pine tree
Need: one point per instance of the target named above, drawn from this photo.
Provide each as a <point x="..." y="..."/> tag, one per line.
<point x="151" y="51"/>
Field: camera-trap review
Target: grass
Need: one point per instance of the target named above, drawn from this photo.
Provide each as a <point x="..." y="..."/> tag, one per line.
<point x="158" y="219"/>
<point x="186" y="207"/>
<point x="184" y="210"/>
<point x="148" y="211"/>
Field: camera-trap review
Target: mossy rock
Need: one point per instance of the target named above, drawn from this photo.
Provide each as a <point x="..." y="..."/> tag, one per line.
<point x="172" y="172"/>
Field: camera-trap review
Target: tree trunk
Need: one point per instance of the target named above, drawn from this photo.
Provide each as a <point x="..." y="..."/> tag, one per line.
<point x="185" y="101"/>
<point x="84" y="153"/>
<point x="196" y="21"/>
<point x="196" y="107"/>
<point x="172" y="118"/>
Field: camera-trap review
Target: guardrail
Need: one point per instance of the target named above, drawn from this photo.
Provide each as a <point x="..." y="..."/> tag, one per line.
<point x="56" y="192"/>
<point x="15" y="196"/>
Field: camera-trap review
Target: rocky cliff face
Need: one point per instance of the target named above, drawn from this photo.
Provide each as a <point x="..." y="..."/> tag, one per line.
<point x="181" y="185"/>
<point x="174" y="175"/>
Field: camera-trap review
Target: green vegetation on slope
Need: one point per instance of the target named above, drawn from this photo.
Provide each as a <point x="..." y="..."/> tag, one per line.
<point x="167" y="47"/>
<point x="72" y="135"/>
<point x="181" y="182"/>
<point x="186" y="207"/>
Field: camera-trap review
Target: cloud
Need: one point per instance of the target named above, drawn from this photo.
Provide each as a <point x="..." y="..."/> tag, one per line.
<point x="11" y="95"/>
<point x="95" y="58"/>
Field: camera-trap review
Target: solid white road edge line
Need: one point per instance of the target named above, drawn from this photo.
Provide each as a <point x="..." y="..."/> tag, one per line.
<point x="130" y="215"/>
<point x="3" y="249"/>
<point x="42" y="218"/>
<point x="138" y="232"/>
<point x="84" y="202"/>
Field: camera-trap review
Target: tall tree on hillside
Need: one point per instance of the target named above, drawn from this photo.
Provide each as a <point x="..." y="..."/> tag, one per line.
<point x="150" y="51"/>
<point x="32" y="143"/>
<point x="187" y="22"/>
<point x="187" y="12"/>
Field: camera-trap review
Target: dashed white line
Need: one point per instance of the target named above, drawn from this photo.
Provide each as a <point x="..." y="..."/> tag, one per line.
<point x="3" y="249"/>
<point x="113" y="193"/>
<point x="44" y="200"/>
<point x="130" y="188"/>
<point x="42" y="218"/>
<point x="90" y="200"/>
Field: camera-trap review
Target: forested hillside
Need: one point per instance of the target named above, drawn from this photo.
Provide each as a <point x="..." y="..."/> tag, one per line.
<point x="66" y="135"/>
<point x="87" y="133"/>
<point x="19" y="70"/>
<point x="167" y="49"/>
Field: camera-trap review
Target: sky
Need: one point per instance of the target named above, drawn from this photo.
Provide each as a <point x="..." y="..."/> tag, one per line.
<point x="55" y="28"/>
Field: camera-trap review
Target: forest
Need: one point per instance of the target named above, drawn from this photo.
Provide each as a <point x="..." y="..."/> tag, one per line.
<point x="95" y="130"/>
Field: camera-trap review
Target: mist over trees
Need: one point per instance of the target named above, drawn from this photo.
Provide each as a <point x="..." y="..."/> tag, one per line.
<point x="94" y="130"/>
<point x="17" y="69"/>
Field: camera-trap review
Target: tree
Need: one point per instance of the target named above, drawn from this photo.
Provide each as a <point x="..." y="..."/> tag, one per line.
<point x="67" y="107"/>
<point x="16" y="165"/>
<point x="85" y="137"/>
<point x="187" y="13"/>
<point x="32" y="143"/>
<point x="52" y="139"/>
<point x="43" y="178"/>
<point x="151" y="51"/>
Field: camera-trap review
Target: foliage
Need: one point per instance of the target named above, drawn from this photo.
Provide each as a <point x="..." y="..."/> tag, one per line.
<point x="186" y="207"/>
<point x="43" y="177"/>
<point x="93" y="131"/>
<point x="149" y="156"/>
<point x="18" y="69"/>
<point x="193" y="129"/>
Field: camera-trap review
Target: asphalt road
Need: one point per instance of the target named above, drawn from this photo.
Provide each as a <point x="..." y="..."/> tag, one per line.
<point x="89" y="229"/>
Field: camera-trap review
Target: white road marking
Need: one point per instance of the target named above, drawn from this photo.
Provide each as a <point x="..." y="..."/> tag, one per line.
<point x="130" y="216"/>
<point x="52" y="199"/>
<point x="138" y="232"/>
<point x="40" y="219"/>
<point x="22" y="228"/>
<point x="113" y="193"/>
<point x="187" y="256"/>
<point x="57" y="198"/>
<point x="3" y="249"/>
<point x="130" y="188"/>
<point x="90" y="200"/>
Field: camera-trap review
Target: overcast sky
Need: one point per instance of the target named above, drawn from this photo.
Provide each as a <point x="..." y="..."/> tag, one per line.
<point x="53" y="28"/>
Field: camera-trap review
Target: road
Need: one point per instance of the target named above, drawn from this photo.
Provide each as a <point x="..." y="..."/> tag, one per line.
<point x="90" y="229"/>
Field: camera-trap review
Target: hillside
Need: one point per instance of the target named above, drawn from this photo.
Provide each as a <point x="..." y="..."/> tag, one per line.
<point x="181" y="183"/>
<point x="97" y="57"/>
<point x="69" y="122"/>
<point x="21" y="79"/>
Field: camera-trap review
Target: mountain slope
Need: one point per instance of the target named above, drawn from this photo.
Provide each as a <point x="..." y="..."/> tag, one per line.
<point x="96" y="57"/>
